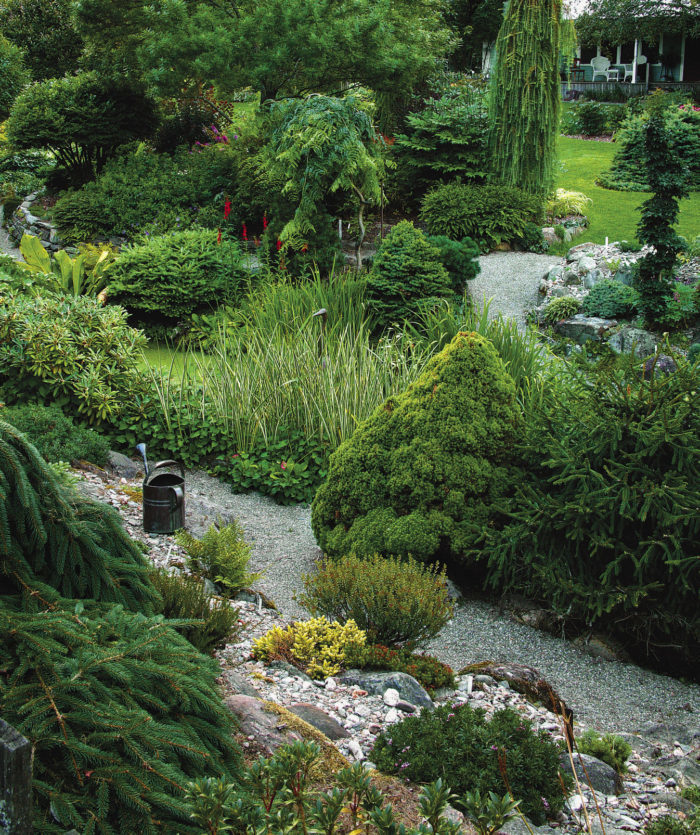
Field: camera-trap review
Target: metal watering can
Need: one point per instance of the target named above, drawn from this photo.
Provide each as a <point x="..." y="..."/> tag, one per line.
<point x="163" y="497"/>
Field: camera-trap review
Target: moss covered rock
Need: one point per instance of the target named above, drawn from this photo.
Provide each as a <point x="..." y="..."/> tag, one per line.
<point x="420" y="474"/>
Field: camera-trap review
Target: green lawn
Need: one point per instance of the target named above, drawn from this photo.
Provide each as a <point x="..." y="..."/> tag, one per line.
<point x="612" y="213"/>
<point x="169" y="361"/>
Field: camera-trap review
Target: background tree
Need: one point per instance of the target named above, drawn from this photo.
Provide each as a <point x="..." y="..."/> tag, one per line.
<point x="525" y="96"/>
<point x="473" y="23"/>
<point x="13" y="75"/>
<point x="615" y="21"/>
<point x="45" y="30"/>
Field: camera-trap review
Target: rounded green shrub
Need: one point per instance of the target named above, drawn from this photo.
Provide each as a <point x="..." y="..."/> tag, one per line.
<point x="459" y="258"/>
<point x="609" y="748"/>
<point x="561" y="308"/>
<point x="177" y="274"/>
<point x="55" y="435"/>
<point x="419" y="475"/>
<point x="476" y="754"/>
<point x="610" y="299"/>
<point x="13" y="73"/>
<point x="407" y="276"/>
<point x="431" y="673"/>
<point x="694" y="352"/>
<point x="394" y="602"/>
<point x="488" y="214"/>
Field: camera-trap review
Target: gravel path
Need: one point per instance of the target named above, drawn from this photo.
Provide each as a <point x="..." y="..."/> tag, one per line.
<point x="511" y="280"/>
<point x="6" y="245"/>
<point x="609" y="695"/>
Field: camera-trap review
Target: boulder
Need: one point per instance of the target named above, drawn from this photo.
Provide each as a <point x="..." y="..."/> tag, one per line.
<point x="633" y="340"/>
<point x="555" y="272"/>
<point x="320" y="720"/>
<point x="571" y="278"/>
<point x="601" y="777"/>
<point x="586" y="264"/>
<point x="376" y="684"/>
<point x="592" y="278"/>
<point x="684" y="770"/>
<point x="239" y="685"/>
<point x="124" y="467"/>
<point x="660" y="364"/>
<point x="559" y="292"/>
<point x="583" y="328"/>
<point x="268" y="729"/>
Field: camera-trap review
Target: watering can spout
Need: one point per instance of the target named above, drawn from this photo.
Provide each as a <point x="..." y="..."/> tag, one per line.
<point x="141" y="448"/>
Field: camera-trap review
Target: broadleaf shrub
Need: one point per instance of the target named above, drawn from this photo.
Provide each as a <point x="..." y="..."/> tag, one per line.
<point x="474" y="753"/>
<point x="13" y="73"/>
<point x="213" y="622"/>
<point x="394" y="602"/>
<point x="72" y="351"/>
<point x="610" y="299"/>
<point x="55" y="434"/>
<point x="174" y="275"/>
<point x="592" y="118"/>
<point x="489" y="214"/>
<point x="407" y="276"/>
<point x="417" y="477"/>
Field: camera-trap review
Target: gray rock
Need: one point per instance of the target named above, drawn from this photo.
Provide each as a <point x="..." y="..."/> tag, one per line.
<point x="559" y="292"/>
<point x="680" y="804"/>
<point x="517" y="827"/>
<point x="555" y="272"/>
<point x="671" y="732"/>
<point x="290" y="669"/>
<point x="601" y="776"/>
<point x="684" y="770"/>
<point x="549" y="234"/>
<point x="239" y="685"/>
<point x="124" y="467"/>
<point x="624" y="276"/>
<point x="586" y="264"/>
<point x="571" y="279"/>
<point x="210" y="587"/>
<point x="591" y="279"/>
<point x="659" y="364"/>
<point x="320" y="720"/>
<point x="268" y="729"/>
<point x="583" y="329"/>
<point x="633" y="340"/>
<point x="376" y="684"/>
<point x="405" y="707"/>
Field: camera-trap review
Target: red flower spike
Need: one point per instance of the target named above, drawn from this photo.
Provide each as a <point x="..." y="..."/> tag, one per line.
<point x="218" y="237"/>
<point x="279" y="244"/>
<point x="245" y="233"/>
<point x="227" y="208"/>
<point x="264" y="221"/>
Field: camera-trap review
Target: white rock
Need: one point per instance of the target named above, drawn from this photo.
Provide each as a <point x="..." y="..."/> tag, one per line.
<point x="331" y="684"/>
<point x="355" y="750"/>
<point x="392" y="715"/>
<point x="391" y="697"/>
<point x="575" y="803"/>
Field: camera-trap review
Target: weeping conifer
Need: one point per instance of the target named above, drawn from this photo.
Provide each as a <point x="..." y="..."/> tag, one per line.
<point x="121" y="710"/>
<point x="525" y="95"/>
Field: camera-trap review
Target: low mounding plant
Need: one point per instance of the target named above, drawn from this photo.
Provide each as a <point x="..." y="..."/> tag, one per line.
<point x="212" y="622"/>
<point x="565" y="203"/>
<point x="317" y="646"/>
<point x="177" y="274"/>
<point x="418" y="475"/>
<point x="72" y="351"/>
<point x="499" y="755"/>
<point x="221" y="555"/>
<point x="489" y="215"/>
<point x="610" y="299"/>
<point x="431" y="673"/>
<point x="592" y="118"/>
<point x="396" y="603"/>
<point x="562" y="308"/>
<point x="609" y="748"/>
<point x="55" y="435"/>
<point x="407" y="276"/>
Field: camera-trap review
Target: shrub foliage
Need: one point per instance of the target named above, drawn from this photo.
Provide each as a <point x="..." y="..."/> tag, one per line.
<point x="611" y="298"/>
<point x="417" y="477"/>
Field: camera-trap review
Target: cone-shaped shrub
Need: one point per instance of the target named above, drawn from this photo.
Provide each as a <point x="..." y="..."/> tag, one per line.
<point x="418" y="476"/>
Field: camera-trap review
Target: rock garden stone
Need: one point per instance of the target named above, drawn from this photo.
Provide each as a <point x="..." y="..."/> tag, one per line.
<point x="586" y="264"/>
<point x="592" y="278"/>
<point x="571" y="278"/>
<point x="628" y="340"/>
<point x="239" y="684"/>
<point x="378" y="683"/>
<point x="583" y="328"/>
<point x="269" y="732"/>
<point x="320" y="720"/>
<point x="601" y="776"/>
<point x="124" y="466"/>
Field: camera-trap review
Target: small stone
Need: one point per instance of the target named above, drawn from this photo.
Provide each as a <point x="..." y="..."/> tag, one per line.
<point x="355" y="750"/>
<point x="391" y="697"/>
<point x="331" y="684"/>
<point x="406" y="707"/>
<point x="392" y="715"/>
<point x="575" y="803"/>
<point x="670" y="783"/>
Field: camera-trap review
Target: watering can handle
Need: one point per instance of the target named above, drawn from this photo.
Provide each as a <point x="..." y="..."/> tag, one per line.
<point x="169" y="463"/>
<point x="179" y="496"/>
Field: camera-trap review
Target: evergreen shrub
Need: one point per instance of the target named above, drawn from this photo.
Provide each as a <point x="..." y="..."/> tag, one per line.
<point x="55" y="435"/>
<point x="592" y="118"/>
<point x="185" y="598"/>
<point x="407" y="276"/>
<point x="221" y="555"/>
<point x="394" y="602"/>
<point x="174" y="275"/>
<point x="603" y="526"/>
<point x="532" y="239"/>
<point x="561" y="308"/>
<point x="609" y="748"/>
<point x="489" y="214"/>
<point x="610" y="299"/>
<point x="459" y="258"/>
<point x="431" y="673"/>
<point x="418" y="476"/>
<point x="70" y="350"/>
<point x="13" y="73"/>
<point x="476" y="754"/>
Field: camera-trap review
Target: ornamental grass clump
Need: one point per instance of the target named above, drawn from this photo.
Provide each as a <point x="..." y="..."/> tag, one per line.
<point x="317" y="646"/>
<point x="397" y="603"/>
<point x="419" y="476"/>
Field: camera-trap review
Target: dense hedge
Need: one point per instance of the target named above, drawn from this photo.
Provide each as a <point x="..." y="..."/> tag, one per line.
<point x="419" y="476"/>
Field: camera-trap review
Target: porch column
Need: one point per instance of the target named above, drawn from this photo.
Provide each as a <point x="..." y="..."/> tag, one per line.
<point x="680" y="72"/>
<point x="634" y="61"/>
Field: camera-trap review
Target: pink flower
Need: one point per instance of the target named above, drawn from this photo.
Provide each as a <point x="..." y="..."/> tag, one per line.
<point x="283" y="465"/>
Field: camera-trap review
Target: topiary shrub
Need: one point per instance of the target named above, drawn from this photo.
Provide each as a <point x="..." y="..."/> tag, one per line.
<point x="55" y="435"/>
<point x="500" y="755"/>
<point x="418" y="476"/>
<point x="394" y="602"/>
<point x="177" y="274"/>
<point x="609" y="748"/>
<point x="562" y="308"/>
<point x="71" y="350"/>
<point x="185" y="598"/>
<point x="488" y="214"/>
<point x="459" y="258"/>
<point x="407" y="276"/>
<point x="611" y="299"/>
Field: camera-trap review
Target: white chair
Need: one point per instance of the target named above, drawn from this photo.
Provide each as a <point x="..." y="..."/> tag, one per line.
<point x="629" y="74"/>
<point x="600" y="66"/>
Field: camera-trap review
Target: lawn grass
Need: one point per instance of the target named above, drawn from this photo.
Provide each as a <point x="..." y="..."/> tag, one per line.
<point x="612" y="213"/>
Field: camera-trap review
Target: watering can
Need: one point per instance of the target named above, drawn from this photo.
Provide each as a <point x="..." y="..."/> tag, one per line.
<point x="163" y="496"/>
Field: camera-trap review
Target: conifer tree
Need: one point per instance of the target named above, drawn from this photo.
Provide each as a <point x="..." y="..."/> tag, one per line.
<point x="525" y="95"/>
